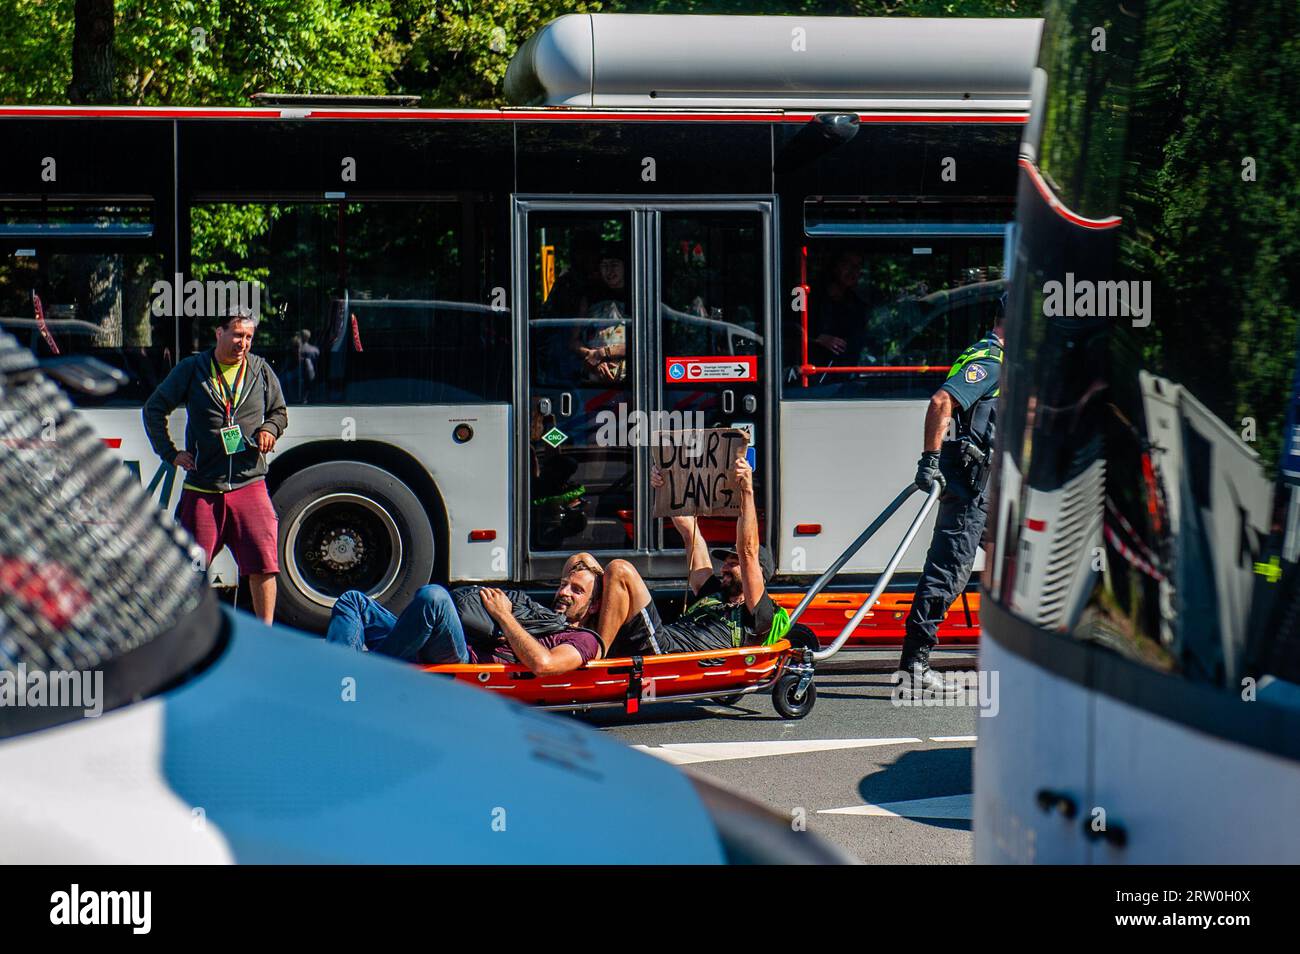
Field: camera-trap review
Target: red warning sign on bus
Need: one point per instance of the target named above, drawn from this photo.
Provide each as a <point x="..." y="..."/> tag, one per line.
<point x="740" y="367"/>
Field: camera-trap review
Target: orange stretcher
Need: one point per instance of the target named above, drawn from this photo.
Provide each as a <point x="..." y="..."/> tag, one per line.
<point x="724" y="675"/>
<point x="628" y="682"/>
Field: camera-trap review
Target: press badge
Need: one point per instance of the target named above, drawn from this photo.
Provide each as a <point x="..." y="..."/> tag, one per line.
<point x="232" y="438"/>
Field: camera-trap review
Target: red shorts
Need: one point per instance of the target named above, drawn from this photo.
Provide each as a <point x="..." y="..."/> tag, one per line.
<point x="242" y="519"/>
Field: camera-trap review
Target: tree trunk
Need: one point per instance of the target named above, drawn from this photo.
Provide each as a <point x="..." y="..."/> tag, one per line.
<point x="92" y="52"/>
<point x="100" y="276"/>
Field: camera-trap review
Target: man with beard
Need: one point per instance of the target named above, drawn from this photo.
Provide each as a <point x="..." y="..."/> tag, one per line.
<point x="731" y="608"/>
<point x="478" y="624"/>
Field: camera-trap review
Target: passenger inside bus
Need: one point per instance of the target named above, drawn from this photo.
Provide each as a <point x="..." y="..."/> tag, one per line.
<point x="894" y="307"/>
<point x="581" y="283"/>
<point x="601" y="343"/>
<point x="838" y="312"/>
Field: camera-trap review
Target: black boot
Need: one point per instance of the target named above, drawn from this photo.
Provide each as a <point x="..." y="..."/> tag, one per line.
<point x="916" y="680"/>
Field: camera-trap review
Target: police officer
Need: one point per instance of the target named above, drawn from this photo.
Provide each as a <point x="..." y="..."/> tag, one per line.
<point x="961" y="467"/>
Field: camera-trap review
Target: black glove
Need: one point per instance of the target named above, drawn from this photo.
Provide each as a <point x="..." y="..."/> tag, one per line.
<point x="927" y="471"/>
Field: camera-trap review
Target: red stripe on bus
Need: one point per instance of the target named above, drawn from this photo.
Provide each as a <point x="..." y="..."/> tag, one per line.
<point x="234" y="112"/>
<point x="114" y="442"/>
<point x="1059" y="207"/>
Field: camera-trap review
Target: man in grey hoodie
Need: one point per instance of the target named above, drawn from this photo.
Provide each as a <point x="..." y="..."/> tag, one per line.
<point x="235" y="413"/>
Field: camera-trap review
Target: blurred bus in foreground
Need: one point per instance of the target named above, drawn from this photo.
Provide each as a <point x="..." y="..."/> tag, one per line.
<point x="1142" y="594"/>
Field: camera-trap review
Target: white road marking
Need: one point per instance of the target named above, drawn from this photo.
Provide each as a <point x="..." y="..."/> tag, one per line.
<point x="945" y="806"/>
<point x="953" y="738"/>
<point x="685" y="753"/>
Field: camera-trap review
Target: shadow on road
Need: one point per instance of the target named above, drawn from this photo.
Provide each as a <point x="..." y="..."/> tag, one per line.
<point x="922" y="773"/>
<point x="753" y="708"/>
<point x="756" y="707"/>
<point x="880" y="688"/>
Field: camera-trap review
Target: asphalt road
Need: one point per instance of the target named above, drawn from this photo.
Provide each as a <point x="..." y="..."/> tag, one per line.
<point x="889" y="784"/>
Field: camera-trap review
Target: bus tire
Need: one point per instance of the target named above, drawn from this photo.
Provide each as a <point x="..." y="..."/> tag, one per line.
<point x="348" y="525"/>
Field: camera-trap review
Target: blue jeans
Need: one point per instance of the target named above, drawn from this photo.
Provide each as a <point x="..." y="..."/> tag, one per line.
<point x="428" y="630"/>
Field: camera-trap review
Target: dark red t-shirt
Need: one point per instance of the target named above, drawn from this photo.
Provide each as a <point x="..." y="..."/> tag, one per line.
<point x="584" y="641"/>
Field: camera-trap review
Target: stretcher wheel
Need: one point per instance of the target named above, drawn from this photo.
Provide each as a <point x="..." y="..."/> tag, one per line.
<point x="785" y="702"/>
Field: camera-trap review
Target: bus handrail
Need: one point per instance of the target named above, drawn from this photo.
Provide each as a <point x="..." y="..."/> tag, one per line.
<point x="886" y="575"/>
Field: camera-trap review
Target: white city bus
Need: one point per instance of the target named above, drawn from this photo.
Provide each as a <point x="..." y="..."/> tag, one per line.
<point x="788" y="224"/>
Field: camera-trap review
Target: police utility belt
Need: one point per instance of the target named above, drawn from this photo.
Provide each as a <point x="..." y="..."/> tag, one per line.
<point x="965" y="462"/>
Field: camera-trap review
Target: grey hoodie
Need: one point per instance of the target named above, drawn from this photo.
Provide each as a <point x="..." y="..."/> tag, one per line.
<point x="260" y="407"/>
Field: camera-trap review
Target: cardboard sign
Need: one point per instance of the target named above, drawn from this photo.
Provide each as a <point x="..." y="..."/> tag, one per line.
<point x="697" y="472"/>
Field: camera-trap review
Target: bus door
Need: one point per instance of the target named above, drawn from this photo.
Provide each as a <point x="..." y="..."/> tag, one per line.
<point x="711" y="297"/>
<point x="634" y="316"/>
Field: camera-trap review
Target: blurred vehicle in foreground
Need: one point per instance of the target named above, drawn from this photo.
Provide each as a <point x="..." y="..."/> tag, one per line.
<point x="141" y="722"/>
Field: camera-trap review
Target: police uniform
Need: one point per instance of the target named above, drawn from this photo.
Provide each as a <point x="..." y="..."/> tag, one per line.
<point x="973" y="383"/>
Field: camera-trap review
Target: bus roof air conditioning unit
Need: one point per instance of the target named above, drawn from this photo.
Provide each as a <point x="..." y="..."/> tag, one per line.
<point x="604" y="60"/>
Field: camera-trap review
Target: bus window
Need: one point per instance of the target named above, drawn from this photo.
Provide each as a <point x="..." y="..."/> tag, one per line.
<point x="366" y="303"/>
<point x="887" y="315"/>
<point x="711" y="304"/>
<point x="97" y="303"/>
<point x="581" y="345"/>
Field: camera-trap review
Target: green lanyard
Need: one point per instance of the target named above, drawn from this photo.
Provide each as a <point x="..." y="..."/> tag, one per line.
<point x="227" y="390"/>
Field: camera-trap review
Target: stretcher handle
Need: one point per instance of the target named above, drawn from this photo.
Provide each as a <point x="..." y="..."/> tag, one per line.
<point x="888" y="574"/>
<point x="853" y="548"/>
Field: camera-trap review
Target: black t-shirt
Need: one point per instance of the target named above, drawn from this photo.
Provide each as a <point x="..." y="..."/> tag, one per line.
<point x="711" y="623"/>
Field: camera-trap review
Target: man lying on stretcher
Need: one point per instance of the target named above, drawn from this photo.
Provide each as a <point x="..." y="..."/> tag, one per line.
<point x="485" y="624"/>
<point x="478" y="624"/>
<point x="730" y="609"/>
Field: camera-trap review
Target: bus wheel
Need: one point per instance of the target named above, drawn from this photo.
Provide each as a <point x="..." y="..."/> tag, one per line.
<point x="348" y="526"/>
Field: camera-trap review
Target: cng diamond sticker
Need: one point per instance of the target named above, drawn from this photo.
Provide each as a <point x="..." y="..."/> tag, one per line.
<point x="555" y="437"/>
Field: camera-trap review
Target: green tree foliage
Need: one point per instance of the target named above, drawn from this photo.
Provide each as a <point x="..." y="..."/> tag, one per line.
<point x="206" y="52"/>
<point x="36" y="49"/>
<point x="456" y="53"/>
<point x="1157" y="125"/>
<point x="1218" y="83"/>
